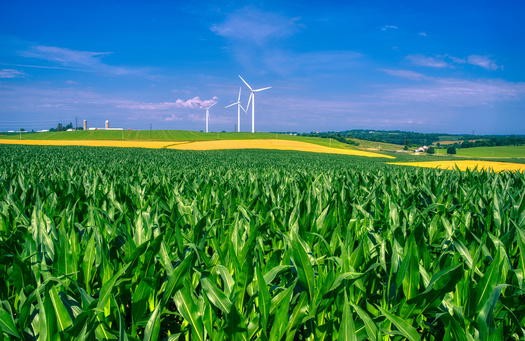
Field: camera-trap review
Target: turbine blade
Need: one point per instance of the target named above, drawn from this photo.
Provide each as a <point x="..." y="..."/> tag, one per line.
<point x="262" y="89"/>
<point x="211" y="105"/>
<point x="239" y="99"/>
<point x="245" y="82"/>
<point x="243" y="109"/>
<point x="249" y="99"/>
<point x="232" y="104"/>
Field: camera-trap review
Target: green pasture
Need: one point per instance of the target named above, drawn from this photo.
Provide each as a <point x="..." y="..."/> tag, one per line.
<point x="491" y="152"/>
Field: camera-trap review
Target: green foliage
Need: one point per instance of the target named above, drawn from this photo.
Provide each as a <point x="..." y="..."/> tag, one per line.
<point x="451" y="150"/>
<point x="431" y="150"/>
<point x="111" y="243"/>
<point x="398" y="137"/>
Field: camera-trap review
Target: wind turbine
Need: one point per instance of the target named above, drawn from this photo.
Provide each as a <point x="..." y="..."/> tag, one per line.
<point x="252" y="98"/>
<point x="239" y="107"/>
<point x="207" y="113"/>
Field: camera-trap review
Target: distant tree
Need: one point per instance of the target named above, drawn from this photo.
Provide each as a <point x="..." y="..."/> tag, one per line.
<point x="466" y="144"/>
<point x="406" y="147"/>
<point x="451" y="150"/>
<point x="431" y="150"/>
<point x="69" y="126"/>
<point x="439" y="145"/>
<point x="22" y="129"/>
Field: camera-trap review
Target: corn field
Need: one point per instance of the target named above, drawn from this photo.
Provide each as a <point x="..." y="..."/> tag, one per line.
<point x="108" y="243"/>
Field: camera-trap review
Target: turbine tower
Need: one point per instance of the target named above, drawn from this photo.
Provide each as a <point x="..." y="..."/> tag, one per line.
<point x="239" y="107"/>
<point x="252" y="98"/>
<point x="207" y="113"/>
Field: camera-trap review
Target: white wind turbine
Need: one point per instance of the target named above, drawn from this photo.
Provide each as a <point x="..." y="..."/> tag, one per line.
<point x="207" y="113"/>
<point x="239" y="107"/>
<point x="252" y="98"/>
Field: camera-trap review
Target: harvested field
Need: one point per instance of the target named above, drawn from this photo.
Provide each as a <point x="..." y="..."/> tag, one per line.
<point x="272" y="144"/>
<point x="467" y="164"/>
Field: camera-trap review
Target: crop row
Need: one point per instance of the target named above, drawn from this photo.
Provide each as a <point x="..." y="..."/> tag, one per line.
<point x="107" y="243"/>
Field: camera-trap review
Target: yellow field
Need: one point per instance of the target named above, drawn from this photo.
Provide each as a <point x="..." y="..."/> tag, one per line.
<point x="202" y="145"/>
<point x="92" y="143"/>
<point x="272" y="144"/>
<point x="464" y="164"/>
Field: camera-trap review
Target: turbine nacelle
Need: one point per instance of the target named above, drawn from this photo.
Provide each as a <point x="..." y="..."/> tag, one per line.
<point x="207" y="113"/>
<point x="207" y="108"/>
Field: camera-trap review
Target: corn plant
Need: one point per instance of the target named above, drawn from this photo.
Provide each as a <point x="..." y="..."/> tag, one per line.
<point x="107" y="243"/>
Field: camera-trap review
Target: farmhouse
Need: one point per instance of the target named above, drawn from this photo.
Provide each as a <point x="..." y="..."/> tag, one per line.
<point x="421" y="149"/>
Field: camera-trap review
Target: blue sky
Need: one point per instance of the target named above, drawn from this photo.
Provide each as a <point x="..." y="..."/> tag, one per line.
<point x="447" y="66"/>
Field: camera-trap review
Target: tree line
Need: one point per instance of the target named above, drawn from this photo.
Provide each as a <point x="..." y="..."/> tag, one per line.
<point x="512" y="140"/>
<point x="60" y="127"/>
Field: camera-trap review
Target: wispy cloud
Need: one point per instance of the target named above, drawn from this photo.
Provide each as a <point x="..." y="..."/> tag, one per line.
<point x="452" y="92"/>
<point x="286" y="62"/>
<point x="423" y="34"/>
<point x="484" y="62"/>
<point x="254" y="25"/>
<point x="257" y="38"/>
<point x="448" y="61"/>
<point x="407" y="74"/>
<point x="192" y="103"/>
<point x="11" y="73"/>
<point x="65" y="56"/>
<point x="389" y="27"/>
<point x="421" y="60"/>
<point x="76" y="60"/>
<point x="173" y="118"/>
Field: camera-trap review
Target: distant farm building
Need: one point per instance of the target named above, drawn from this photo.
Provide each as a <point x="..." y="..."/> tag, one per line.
<point x="421" y="149"/>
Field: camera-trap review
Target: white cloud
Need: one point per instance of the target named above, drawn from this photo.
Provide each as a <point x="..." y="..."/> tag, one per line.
<point x="457" y="60"/>
<point x="423" y="34"/>
<point x="75" y="60"/>
<point x="256" y="26"/>
<point x="389" y="27"/>
<point x="452" y="92"/>
<point x="173" y="118"/>
<point x="286" y="62"/>
<point x="405" y="74"/>
<point x="421" y="60"/>
<point x="65" y="56"/>
<point x="192" y="103"/>
<point x="11" y="73"/>
<point x="484" y="62"/>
